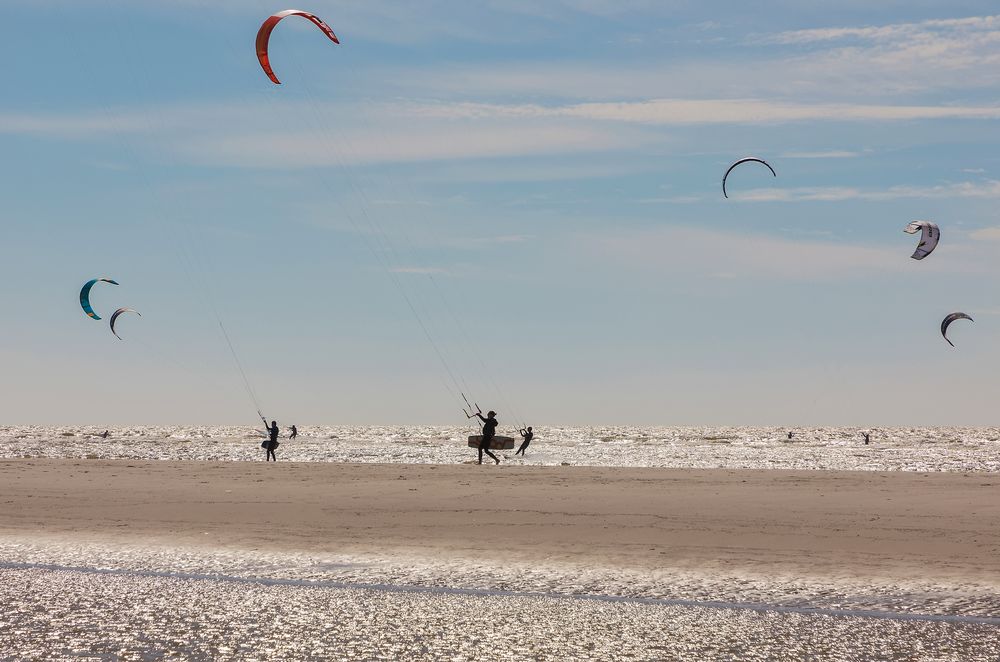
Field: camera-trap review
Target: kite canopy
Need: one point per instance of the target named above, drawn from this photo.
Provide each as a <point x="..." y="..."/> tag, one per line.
<point x="114" y="317"/>
<point x="929" y="236"/>
<point x="946" y="322"/>
<point x="744" y="160"/>
<point x="264" y="36"/>
<point x="85" y="296"/>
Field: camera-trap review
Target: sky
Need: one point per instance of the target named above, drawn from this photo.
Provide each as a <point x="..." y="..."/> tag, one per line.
<point x="518" y="201"/>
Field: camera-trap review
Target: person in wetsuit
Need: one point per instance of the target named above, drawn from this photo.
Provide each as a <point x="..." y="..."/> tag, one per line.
<point x="868" y="438"/>
<point x="528" y="436"/>
<point x="104" y="435"/>
<point x="272" y="441"/>
<point x="490" y="423"/>
<point x="294" y="433"/>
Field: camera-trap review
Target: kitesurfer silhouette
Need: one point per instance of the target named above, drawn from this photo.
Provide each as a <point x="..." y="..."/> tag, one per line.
<point x="272" y="441"/>
<point x="490" y="423"/>
<point x="528" y="436"/>
<point x="294" y="433"/>
<point x="104" y="435"/>
<point x="789" y="435"/>
<point x="867" y="438"/>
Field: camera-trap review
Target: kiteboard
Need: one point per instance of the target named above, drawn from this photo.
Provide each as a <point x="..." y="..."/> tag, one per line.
<point x="497" y="443"/>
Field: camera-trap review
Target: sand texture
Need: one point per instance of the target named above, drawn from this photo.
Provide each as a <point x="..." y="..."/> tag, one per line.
<point x="849" y="524"/>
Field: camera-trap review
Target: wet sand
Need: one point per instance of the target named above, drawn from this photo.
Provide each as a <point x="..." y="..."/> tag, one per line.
<point x="856" y="525"/>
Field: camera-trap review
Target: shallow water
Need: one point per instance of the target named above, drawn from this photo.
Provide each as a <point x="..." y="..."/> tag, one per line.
<point x="744" y="588"/>
<point x="835" y="448"/>
<point x="59" y="614"/>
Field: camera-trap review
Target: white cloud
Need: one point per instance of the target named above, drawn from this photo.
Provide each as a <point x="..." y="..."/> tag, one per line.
<point x="324" y="134"/>
<point x="80" y="125"/>
<point x="557" y="9"/>
<point x="986" y="234"/>
<point x="671" y="200"/>
<point x="717" y="254"/>
<point x="927" y="56"/>
<point x="708" y="111"/>
<point x="400" y="145"/>
<point x="831" y="154"/>
<point x="889" y="33"/>
<point x="409" y="131"/>
<point x="932" y="59"/>
<point x="419" y="270"/>
<point x="469" y="242"/>
<point x="987" y="189"/>
<point x="543" y="170"/>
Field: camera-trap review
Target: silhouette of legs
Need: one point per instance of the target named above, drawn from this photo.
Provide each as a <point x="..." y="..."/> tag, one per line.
<point x="484" y="446"/>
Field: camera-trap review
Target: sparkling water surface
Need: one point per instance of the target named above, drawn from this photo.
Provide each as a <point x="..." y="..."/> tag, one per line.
<point x="830" y="448"/>
<point x="58" y="615"/>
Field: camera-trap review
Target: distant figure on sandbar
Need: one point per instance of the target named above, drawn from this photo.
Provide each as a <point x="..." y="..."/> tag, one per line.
<point x="868" y="438"/>
<point x="272" y="440"/>
<point x="789" y="435"/>
<point x="528" y="436"/>
<point x="104" y="435"/>
<point x="490" y="423"/>
<point x="294" y="433"/>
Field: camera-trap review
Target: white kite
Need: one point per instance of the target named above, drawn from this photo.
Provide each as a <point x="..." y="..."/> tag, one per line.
<point x="929" y="236"/>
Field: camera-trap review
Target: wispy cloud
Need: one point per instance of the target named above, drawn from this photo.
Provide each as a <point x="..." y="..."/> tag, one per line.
<point x="986" y="234"/>
<point x="931" y="59"/>
<point x="419" y="270"/>
<point x="71" y="126"/>
<point x="893" y="32"/>
<point x="235" y="135"/>
<point x="464" y="243"/>
<point x="672" y="200"/>
<point x="555" y="9"/>
<point x="708" y="111"/>
<point x="716" y="254"/>
<point x="943" y="54"/>
<point x="401" y="145"/>
<point x="987" y="189"/>
<point x="831" y="154"/>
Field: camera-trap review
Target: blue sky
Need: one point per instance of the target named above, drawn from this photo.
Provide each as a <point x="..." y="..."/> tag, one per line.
<point x="540" y="181"/>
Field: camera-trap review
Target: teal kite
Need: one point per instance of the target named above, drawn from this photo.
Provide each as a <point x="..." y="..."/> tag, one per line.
<point x="85" y="296"/>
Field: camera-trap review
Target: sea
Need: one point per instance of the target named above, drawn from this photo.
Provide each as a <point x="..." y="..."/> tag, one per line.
<point x="66" y="599"/>
<point x="821" y="448"/>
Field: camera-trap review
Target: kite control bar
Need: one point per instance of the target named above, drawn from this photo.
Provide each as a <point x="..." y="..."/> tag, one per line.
<point x="468" y="412"/>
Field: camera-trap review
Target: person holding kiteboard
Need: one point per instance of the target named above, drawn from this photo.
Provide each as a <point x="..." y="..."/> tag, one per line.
<point x="490" y="423"/>
<point x="271" y="442"/>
